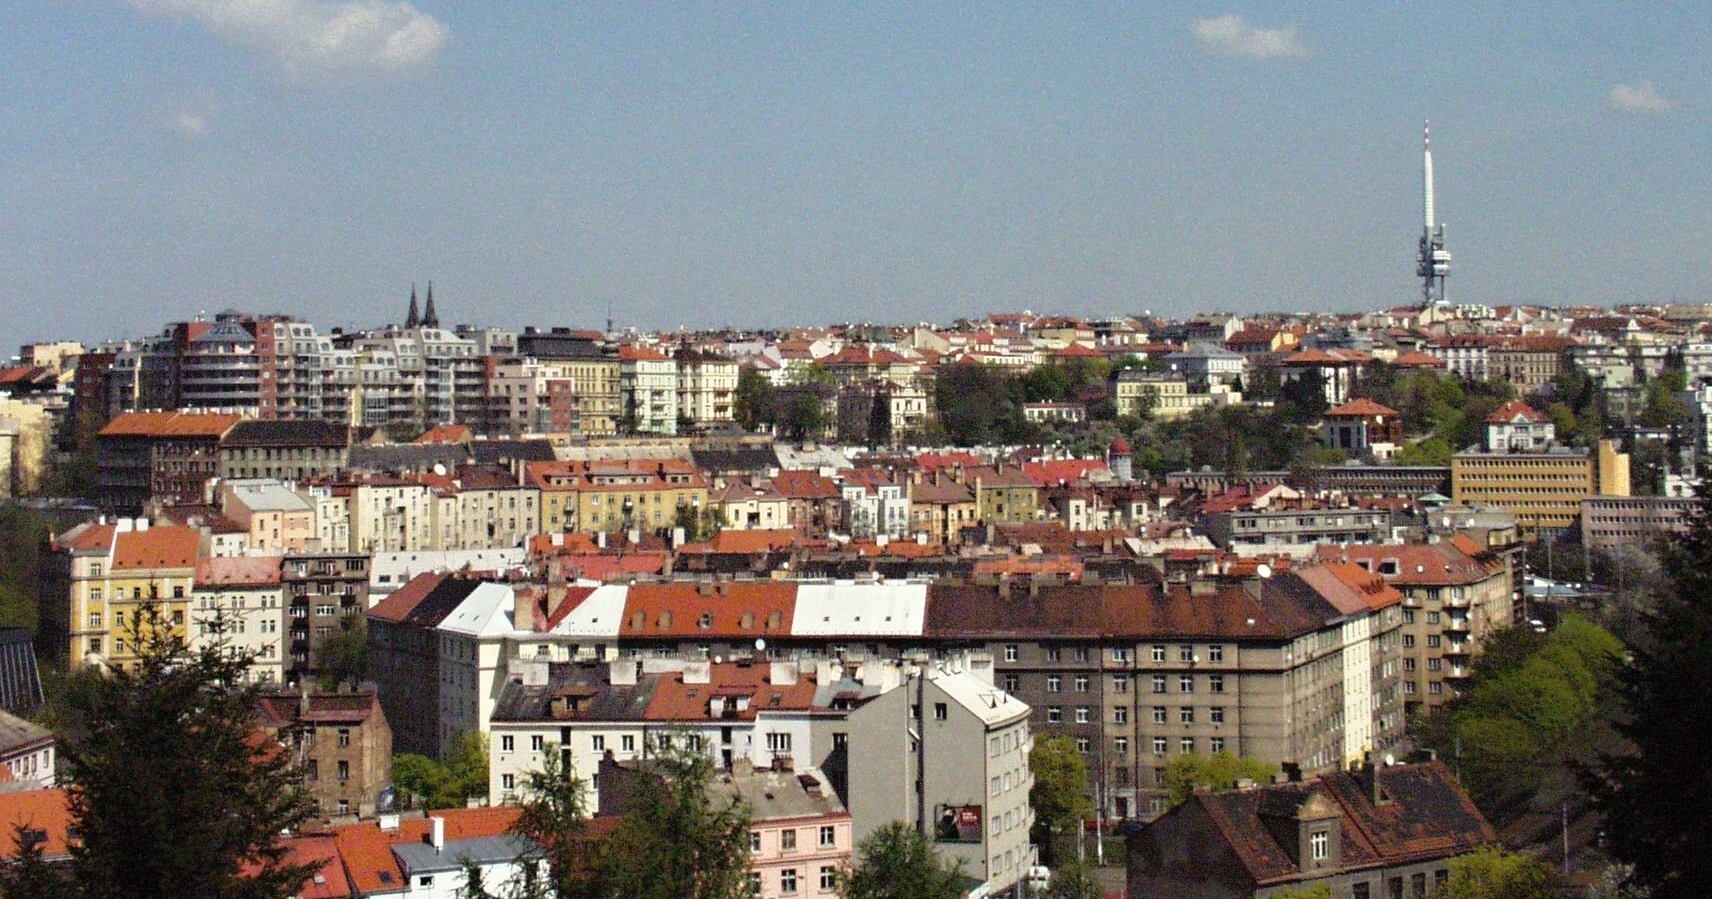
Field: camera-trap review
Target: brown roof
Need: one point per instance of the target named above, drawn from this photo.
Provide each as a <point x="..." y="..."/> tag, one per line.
<point x="674" y="700"/>
<point x="1515" y="411"/>
<point x="1281" y="607"/>
<point x="1361" y="407"/>
<point x="1424" y="815"/>
<point x="1417" y="564"/>
<point x="802" y="484"/>
<point x="241" y="571"/>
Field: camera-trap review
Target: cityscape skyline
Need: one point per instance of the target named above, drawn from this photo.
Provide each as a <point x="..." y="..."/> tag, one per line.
<point x="775" y="166"/>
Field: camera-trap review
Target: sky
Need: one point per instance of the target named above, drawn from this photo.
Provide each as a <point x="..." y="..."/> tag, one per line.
<point x="684" y="164"/>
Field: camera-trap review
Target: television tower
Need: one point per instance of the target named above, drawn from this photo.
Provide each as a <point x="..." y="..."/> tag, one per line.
<point x="1432" y="263"/>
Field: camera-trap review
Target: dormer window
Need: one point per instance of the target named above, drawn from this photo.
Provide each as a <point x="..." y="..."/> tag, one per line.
<point x="706" y="621"/>
<point x="1387" y="566"/>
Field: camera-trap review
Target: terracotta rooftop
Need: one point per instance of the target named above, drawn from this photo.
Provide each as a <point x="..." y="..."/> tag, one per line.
<point x="211" y="425"/>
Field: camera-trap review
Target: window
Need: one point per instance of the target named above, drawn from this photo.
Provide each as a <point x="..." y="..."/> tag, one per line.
<point x="1120" y="656"/>
<point x="598" y="743"/>
<point x="1159" y="714"/>
<point x="344" y="770"/>
<point x="828" y="878"/>
<point x="1435" y="688"/>
<point x="941" y="711"/>
<point x="754" y="883"/>
<point x="627" y="742"/>
<point x="1216" y="652"/>
<point x="1185" y="683"/>
<point x="1120" y="715"/>
<point x="1158" y="652"/>
<point x="778" y="741"/>
<point x="1010" y="652"/>
<point x="95" y="621"/>
<point x="828" y="836"/>
<point x="1186" y="653"/>
<point x="1082" y="714"/>
<point x="1012" y="683"/>
<point x="1434" y="664"/>
<point x="1216" y="683"/>
<point x="1408" y="641"/>
<point x="1158" y="745"/>
<point x="1054" y="684"/>
<point x="1081" y="683"/>
<point x="1054" y="714"/>
<point x="1052" y="653"/>
<point x="1186" y="745"/>
<point x="1120" y="745"/>
<point x="537" y="743"/>
<point x="1084" y="745"/>
<point x="788" y="881"/>
<point x="1319" y="843"/>
<point x="1186" y="715"/>
<point x="1418" y="885"/>
<point x="1081" y="654"/>
<point x="1120" y="683"/>
<point x="507" y="781"/>
<point x="426" y="880"/>
<point x="1218" y="745"/>
<point x="1360" y="891"/>
<point x="344" y="738"/>
<point x="1408" y="664"/>
<point x="1433" y="617"/>
<point x="1216" y="714"/>
<point x="312" y="772"/>
<point x="754" y="841"/>
<point x="1159" y="683"/>
<point x="788" y="840"/>
<point x="1433" y="639"/>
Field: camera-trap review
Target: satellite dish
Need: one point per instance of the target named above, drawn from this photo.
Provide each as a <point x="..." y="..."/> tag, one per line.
<point x="760" y="644"/>
<point x="440" y="469"/>
<point x="1390" y="760"/>
<point x="1263" y="570"/>
<point x="717" y="660"/>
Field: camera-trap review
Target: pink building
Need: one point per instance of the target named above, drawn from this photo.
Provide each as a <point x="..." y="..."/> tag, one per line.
<point x="800" y="833"/>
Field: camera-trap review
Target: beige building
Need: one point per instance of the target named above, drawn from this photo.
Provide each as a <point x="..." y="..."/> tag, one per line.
<point x="99" y="575"/>
<point x="1544" y="490"/>
<point x="239" y="603"/>
<point x="1456" y="593"/>
<point x="648" y="385"/>
<point x="276" y="518"/>
<point x="707" y="386"/>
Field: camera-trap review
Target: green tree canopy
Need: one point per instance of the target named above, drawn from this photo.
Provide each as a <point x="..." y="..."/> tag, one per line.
<point x="897" y="862"/>
<point x="1653" y="795"/>
<point x="1495" y="873"/>
<point x="1219" y="771"/>
<point x="174" y="791"/>
<point x="1060" y="796"/>
<point x="677" y="841"/>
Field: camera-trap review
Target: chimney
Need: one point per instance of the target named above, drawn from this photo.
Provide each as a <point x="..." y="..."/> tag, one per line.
<point x="523" y="610"/>
<point x="437" y="834"/>
<point x="784" y="763"/>
<point x="782" y="674"/>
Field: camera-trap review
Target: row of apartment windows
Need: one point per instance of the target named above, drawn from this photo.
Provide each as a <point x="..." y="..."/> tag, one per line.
<point x="789" y="882"/>
<point x="826" y="837"/>
<point x="1185" y="653"/>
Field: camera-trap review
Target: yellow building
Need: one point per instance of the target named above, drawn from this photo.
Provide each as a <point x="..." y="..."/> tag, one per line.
<point x="100" y="577"/>
<point x="617" y="494"/>
<point x="1543" y="490"/>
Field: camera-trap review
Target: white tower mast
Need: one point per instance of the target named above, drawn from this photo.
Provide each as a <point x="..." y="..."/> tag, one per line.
<point x="1432" y="263"/>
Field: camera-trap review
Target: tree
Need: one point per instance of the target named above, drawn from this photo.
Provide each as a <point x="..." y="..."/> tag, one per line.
<point x="1317" y="891"/>
<point x="1220" y="771"/>
<point x="897" y="862"/>
<point x="1652" y="796"/>
<point x="753" y="403"/>
<point x="554" y="816"/>
<point x="1060" y="795"/>
<point x="174" y="791"/>
<point x="1494" y="873"/>
<point x="676" y="841"/>
<point x="1072" y="880"/>
<point x="452" y="784"/>
<point x="978" y="405"/>
<point x="344" y="657"/>
<point x="27" y="875"/>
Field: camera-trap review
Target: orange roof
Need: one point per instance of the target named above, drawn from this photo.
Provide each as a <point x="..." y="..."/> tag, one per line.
<point x="367" y="850"/>
<point x="1362" y="407"/>
<point x="1515" y="411"/>
<point x="242" y="571"/>
<point x="1078" y="351"/>
<point x="803" y="484"/>
<point x="1052" y="472"/>
<point x="674" y="700"/>
<point x="744" y="541"/>
<point x="168" y="546"/>
<point x="628" y="353"/>
<point x="212" y="425"/>
<point x="1417" y="359"/>
<point x="441" y="434"/>
<point x="87" y="537"/>
<point x="44" y="810"/>
<point x="679" y="609"/>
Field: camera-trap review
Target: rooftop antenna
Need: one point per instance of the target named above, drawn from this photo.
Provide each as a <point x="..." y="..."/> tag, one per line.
<point x="1432" y="262"/>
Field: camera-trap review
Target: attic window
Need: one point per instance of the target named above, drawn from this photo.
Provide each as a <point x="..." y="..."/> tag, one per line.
<point x="1388" y="566"/>
<point x="665" y="621"/>
<point x="747" y="621"/>
<point x="638" y="621"/>
<point x="775" y="619"/>
<point x="706" y="621"/>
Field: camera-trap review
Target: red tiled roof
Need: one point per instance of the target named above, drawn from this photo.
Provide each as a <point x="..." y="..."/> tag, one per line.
<point x="1514" y="411"/>
<point x="802" y="484"/>
<point x="241" y="571"/>
<point x="367" y="850"/>
<point x="674" y="700"/>
<point x="752" y="609"/>
<point x="170" y="424"/>
<point x="44" y="810"/>
<point x="444" y="434"/>
<point x="1361" y="407"/>
<point x="167" y="546"/>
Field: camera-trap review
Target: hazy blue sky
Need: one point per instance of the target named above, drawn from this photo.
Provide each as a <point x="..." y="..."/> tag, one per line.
<point x="701" y="164"/>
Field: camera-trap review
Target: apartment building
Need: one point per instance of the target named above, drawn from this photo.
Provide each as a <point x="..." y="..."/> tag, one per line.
<point x="98" y="576"/>
<point x="1456" y="593"/>
<point x="1544" y="490"/>
<point x="167" y="457"/>
<point x="287" y="450"/>
<point x="323" y="593"/>
<point x="341" y="742"/>
<point x="1608" y="522"/>
<point x="238" y="603"/>
<point x="648" y="388"/>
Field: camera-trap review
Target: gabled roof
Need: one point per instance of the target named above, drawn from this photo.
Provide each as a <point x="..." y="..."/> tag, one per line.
<point x="367" y="850"/>
<point x="43" y="810"/>
<point x="1361" y="407"/>
<point x="1424" y="816"/>
<point x="1516" y="412"/>
<point x="797" y="484"/>
<point x="239" y="571"/>
<point x="675" y="700"/>
<point x="287" y="433"/>
<point x="741" y="609"/>
<point x="166" y="546"/>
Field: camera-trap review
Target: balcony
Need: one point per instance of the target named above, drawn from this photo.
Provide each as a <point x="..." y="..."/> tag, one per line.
<point x="1453" y="601"/>
<point x="1457" y="623"/>
<point x="1457" y="648"/>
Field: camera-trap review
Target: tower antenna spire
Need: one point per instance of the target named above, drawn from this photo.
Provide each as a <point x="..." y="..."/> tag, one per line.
<point x="1432" y="261"/>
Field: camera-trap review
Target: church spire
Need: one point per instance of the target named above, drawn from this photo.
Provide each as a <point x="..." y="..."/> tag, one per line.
<point x="411" y="318"/>
<point x="430" y="318"/>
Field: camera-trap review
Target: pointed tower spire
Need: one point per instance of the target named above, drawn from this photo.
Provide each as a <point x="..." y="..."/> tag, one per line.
<point x="430" y="318"/>
<point x="412" y="319"/>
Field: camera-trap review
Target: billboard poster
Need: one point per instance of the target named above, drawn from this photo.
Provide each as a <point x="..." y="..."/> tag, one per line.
<point x="957" y="824"/>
